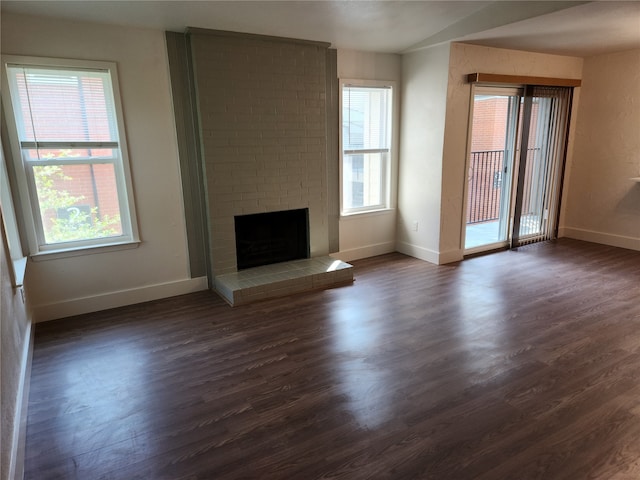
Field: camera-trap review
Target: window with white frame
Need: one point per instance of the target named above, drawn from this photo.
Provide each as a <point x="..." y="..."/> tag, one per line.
<point x="68" y="140"/>
<point x="366" y="146"/>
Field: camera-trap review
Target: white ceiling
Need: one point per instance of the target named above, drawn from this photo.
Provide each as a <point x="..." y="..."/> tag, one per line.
<point x="590" y="29"/>
<point x="563" y="27"/>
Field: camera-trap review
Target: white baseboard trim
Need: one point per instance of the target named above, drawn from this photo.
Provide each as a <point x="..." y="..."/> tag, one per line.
<point x="439" y="258"/>
<point x="78" y="306"/>
<point x="365" y="252"/>
<point x="19" y="434"/>
<point x="600" y="237"/>
<point x="418" y="252"/>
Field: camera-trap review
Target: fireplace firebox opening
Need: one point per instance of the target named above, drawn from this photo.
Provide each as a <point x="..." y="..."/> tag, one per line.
<point x="273" y="237"/>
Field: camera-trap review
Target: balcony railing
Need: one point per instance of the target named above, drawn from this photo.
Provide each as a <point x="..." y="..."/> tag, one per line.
<point x="485" y="186"/>
<point x="486" y="177"/>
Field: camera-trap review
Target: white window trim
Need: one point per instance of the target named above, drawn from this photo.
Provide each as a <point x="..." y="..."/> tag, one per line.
<point x="392" y="165"/>
<point x="130" y="237"/>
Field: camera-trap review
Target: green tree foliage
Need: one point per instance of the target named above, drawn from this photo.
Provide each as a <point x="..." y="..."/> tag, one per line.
<point x="79" y="224"/>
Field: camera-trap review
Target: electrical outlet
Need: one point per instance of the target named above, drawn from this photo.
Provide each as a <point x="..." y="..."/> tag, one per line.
<point x="415" y="226"/>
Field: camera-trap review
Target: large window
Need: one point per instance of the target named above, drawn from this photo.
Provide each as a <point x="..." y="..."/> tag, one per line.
<point x="366" y="147"/>
<point x="70" y="153"/>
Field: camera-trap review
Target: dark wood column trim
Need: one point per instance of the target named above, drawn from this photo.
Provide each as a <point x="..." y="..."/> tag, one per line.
<point x="333" y="149"/>
<point x="189" y="156"/>
<point x="522" y="80"/>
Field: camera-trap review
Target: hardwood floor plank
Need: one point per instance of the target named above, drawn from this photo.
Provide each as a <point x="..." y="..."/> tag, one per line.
<point x="520" y="364"/>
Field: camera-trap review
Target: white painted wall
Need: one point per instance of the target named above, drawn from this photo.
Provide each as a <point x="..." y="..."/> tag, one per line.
<point x="15" y="335"/>
<point x="159" y="267"/>
<point x="366" y="235"/>
<point x="603" y="204"/>
<point x="467" y="59"/>
<point x="423" y="109"/>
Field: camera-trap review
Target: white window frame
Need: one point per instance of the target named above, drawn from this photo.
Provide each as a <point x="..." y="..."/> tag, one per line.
<point x="29" y="207"/>
<point x="390" y="168"/>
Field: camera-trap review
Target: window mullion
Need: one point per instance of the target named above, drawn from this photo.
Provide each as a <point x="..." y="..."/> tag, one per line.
<point x="66" y="144"/>
<point x="365" y="151"/>
<point x="73" y="161"/>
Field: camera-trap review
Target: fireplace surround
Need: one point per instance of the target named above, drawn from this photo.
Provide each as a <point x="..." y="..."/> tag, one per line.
<point x="263" y="120"/>
<point x="263" y="111"/>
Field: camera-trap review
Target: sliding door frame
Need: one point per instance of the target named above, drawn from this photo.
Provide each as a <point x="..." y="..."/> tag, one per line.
<point x="528" y="84"/>
<point x="518" y="192"/>
<point x="511" y="136"/>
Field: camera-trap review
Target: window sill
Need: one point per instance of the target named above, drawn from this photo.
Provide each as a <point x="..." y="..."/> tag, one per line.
<point x="368" y="213"/>
<point x="77" y="252"/>
<point x="18" y="269"/>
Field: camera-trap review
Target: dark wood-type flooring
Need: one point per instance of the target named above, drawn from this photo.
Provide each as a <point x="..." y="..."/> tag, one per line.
<point x="516" y="365"/>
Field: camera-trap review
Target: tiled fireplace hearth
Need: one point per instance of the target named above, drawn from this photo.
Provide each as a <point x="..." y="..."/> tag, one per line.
<point x="282" y="279"/>
<point x="272" y="255"/>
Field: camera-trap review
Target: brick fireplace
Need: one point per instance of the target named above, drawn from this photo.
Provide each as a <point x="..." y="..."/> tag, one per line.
<point x="264" y="114"/>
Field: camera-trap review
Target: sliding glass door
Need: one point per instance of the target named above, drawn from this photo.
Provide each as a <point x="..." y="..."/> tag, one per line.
<point x="495" y="118"/>
<point x="513" y="192"/>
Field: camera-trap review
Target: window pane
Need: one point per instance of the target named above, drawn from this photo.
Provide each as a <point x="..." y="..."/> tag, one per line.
<point x="72" y="161"/>
<point x="365" y="118"/>
<point x="77" y="202"/>
<point x="364" y="180"/>
<point x="366" y="143"/>
<point x="63" y="105"/>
